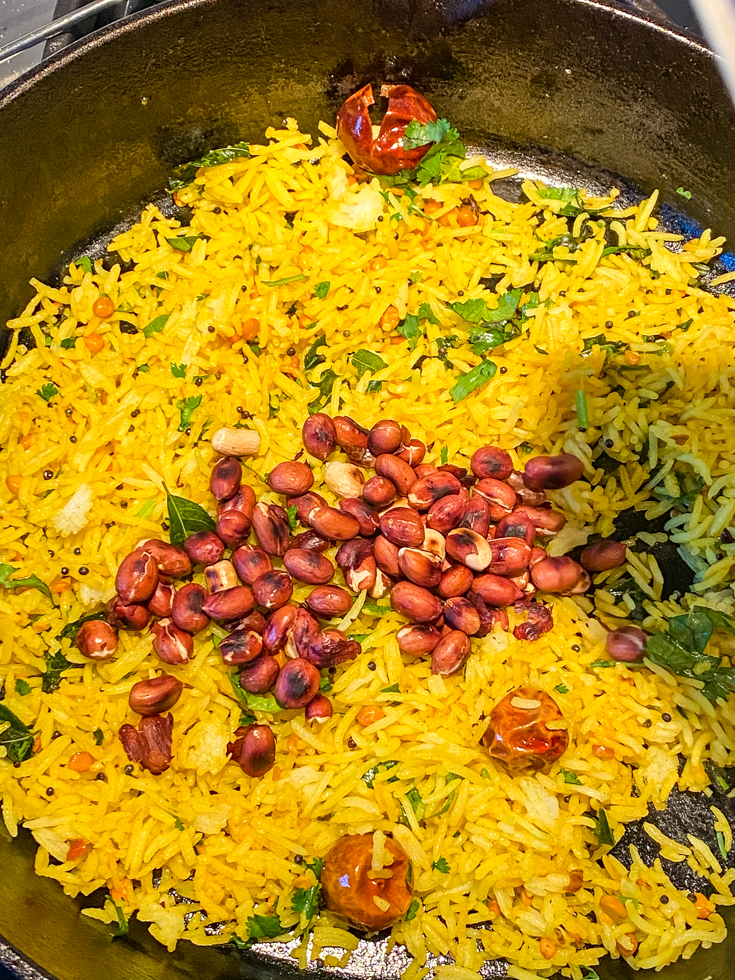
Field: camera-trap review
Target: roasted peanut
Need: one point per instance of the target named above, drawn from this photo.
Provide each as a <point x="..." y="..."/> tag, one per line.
<point x="491" y="461"/>
<point x="96" y="640"/>
<point x="434" y="543"/>
<point x="349" y="434"/>
<point x="131" y="616"/>
<point x="171" y="561"/>
<point x="229" y="604"/>
<point x="233" y="527"/>
<point x="386" y="556"/>
<point x="547" y="522"/>
<point x="306" y="503"/>
<point x="500" y="497"/>
<point x="240" y="647"/>
<point x="424" y="469"/>
<point x="450" y="653"/>
<point x="365" y="516"/>
<point x="254" y="749"/>
<point x="552" y="472"/>
<point x="149" y="743"/>
<point x="384" y="437"/>
<point x="155" y="695"/>
<point x="319" y="435"/>
<point x="236" y="442"/>
<point x="273" y="589"/>
<point x="344" y="479"/>
<point x="332" y="647"/>
<point x="301" y="635"/>
<point x="496" y="590"/>
<point x="137" y="577"/>
<point x="259" y="675"/>
<point x="254" y="621"/>
<point x="447" y="513"/>
<point x="379" y="491"/>
<point x="460" y="614"/>
<point x="417" y="641"/>
<point x="204" y="547"/>
<point x="221" y="576"/>
<point x="173" y="645"/>
<point x="271" y="528"/>
<point x="224" y="480"/>
<point x="556" y="574"/>
<point x="537" y="555"/>
<point x="469" y="548"/>
<point x="186" y="609"/>
<point x="402" y="526"/>
<point x="534" y="498"/>
<point x="460" y="472"/>
<point x="400" y="474"/>
<point x="455" y="581"/>
<point x="487" y="616"/>
<point x="334" y="524"/>
<point x="415" y="602"/>
<point x="431" y="488"/>
<point x="603" y="555"/>
<point x="516" y="525"/>
<point x="412" y="453"/>
<point x="476" y="516"/>
<point x="243" y="501"/>
<point x="356" y="560"/>
<point x="383" y="585"/>
<point x="161" y="602"/>
<point x="508" y="556"/>
<point x="309" y="541"/>
<point x="328" y="600"/>
<point x="297" y="683"/>
<point x="277" y="628"/>
<point x="421" y="567"/>
<point x="627" y="643"/>
<point x="308" y="566"/>
<point x="584" y="584"/>
<point x="250" y="563"/>
<point x="291" y="478"/>
<point x="318" y="709"/>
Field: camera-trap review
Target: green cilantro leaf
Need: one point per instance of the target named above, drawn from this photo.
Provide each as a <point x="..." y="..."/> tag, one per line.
<point x="418" y="134"/>
<point x="444" y="455"/>
<point x="122" y="923"/>
<point x="293" y="519"/>
<point x="413" y="909"/>
<point x="84" y="262"/>
<point x="571" y="777"/>
<point x="256" y="702"/>
<point x="187" y="409"/>
<point x="178" y="370"/>
<point x="22" y="687"/>
<point x="683" y="193"/>
<point x="68" y="343"/>
<point x="472" y="380"/>
<point x="441" y="865"/>
<point x="47" y="391"/>
<point x="562" y="689"/>
<point x="321" y="289"/>
<point x="409" y="328"/>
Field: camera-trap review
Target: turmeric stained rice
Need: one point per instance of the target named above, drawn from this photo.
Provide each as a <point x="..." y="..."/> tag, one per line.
<point x="295" y="288"/>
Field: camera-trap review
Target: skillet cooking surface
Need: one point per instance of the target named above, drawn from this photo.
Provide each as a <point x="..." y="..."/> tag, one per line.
<point x="593" y="91"/>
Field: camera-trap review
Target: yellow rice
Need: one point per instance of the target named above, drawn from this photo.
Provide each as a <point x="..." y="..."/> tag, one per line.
<point x="226" y="843"/>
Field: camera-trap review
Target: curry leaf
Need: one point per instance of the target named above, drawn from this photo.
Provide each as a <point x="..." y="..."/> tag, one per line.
<point x="369" y="776"/>
<point x="184" y="518"/>
<point x="285" y="281"/>
<point x="602" y="829"/>
<point x="365" y="360"/>
<point x="325" y="385"/>
<point x="311" y="357"/>
<point x="184" y="243"/>
<point x="156" y="325"/>
<point x="17" y="739"/>
<point x="256" y="702"/>
<point x="472" y="380"/>
<point x="29" y="582"/>
<point x="681" y="647"/>
<point x="186" y="173"/>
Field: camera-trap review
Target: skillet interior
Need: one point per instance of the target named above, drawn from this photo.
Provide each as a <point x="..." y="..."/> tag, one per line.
<point x="565" y="89"/>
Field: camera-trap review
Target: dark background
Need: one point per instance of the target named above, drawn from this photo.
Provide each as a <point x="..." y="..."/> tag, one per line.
<point x="681" y="12"/>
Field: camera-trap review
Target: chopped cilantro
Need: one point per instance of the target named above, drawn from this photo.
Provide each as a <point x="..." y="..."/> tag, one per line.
<point x="570" y="777"/>
<point x="47" y="391"/>
<point x="178" y="370"/>
<point x="441" y="865"/>
<point x="99" y="736"/>
<point x="413" y="909"/>
<point x="684" y="193"/>
<point x="84" y="263"/>
<point x="187" y="408"/>
<point x="472" y="380"/>
<point x="321" y="289"/>
<point x="22" y="687"/>
<point x="562" y="689"/>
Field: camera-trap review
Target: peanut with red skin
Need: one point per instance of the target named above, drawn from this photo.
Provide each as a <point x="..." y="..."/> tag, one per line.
<point x="400" y="474"/>
<point x="500" y="497"/>
<point x="450" y="653"/>
<point x="254" y="621"/>
<point x="334" y="524"/>
<point x="137" y="577"/>
<point x="328" y="600"/>
<point x="421" y="567"/>
<point x="162" y="600"/>
<point x="186" y="609"/>
<point x="356" y="560"/>
<point x="229" y="604"/>
<point x="171" y="561"/>
<point x="435" y="543"/>
<point x="487" y="616"/>
<point x="240" y="647"/>
<point x="427" y="490"/>
<point x="131" y="616"/>
<point x="603" y="555"/>
<point x="301" y="635"/>
<point x="556" y="574"/>
<point x="460" y="614"/>
<point x="402" y="526"/>
<point x="344" y="479"/>
<point x="331" y="647"/>
<point x="204" y="547"/>
<point x="412" y="452"/>
<point x="155" y="695"/>
<point x="446" y="514"/>
<point x="150" y="743"/>
<point x="509" y="556"/>
<point x="306" y="503"/>
<point x="291" y="478"/>
<point x="516" y="525"/>
<point x="297" y="683"/>
<point x="424" y="469"/>
<point x="415" y="602"/>
<point x="173" y="645"/>
<point x="496" y="590"/>
<point x="277" y="628"/>
<point x="250" y="563"/>
<point x="417" y="641"/>
<point x="469" y="548"/>
<point x="308" y="566"/>
<point x="271" y="528"/>
<point x="243" y="501"/>
<point x="491" y="461"/>
<point x="626" y="644"/>
<point x="254" y="750"/>
<point x="273" y="589"/>
<point x="259" y="675"/>
<point x="319" y="708"/>
<point x="384" y="437"/>
<point x="383" y="584"/>
<point x="552" y="472"/>
<point x="310" y="541"/>
<point x="96" y="640"/>
<point x="349" y="434"/>
<point x="221" y="576"/>
<point x="319" y="435"/>
<point x="460" y="472"/>
<point x="476" y="516"/>
<point x="386" y="556"/>
<point x="379" y="491"/>
<point x="365" y="515"/>
<point x="224" y="480"/>
<point x="233" y="527"/>
<point x="455" y="581"/>
<point x="547" y="522"/>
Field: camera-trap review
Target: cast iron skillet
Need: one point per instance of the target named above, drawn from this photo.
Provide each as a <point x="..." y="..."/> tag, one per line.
<point x="569" y="89"/>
